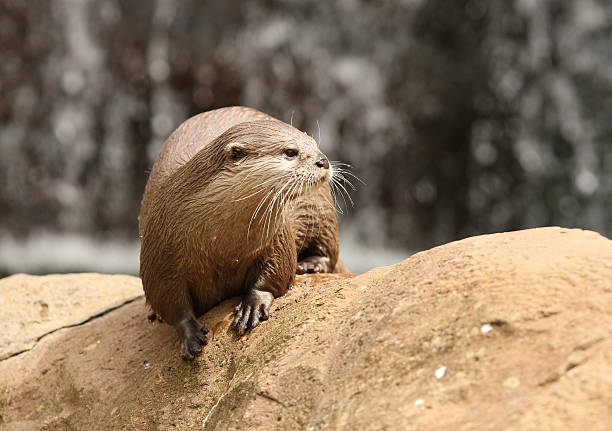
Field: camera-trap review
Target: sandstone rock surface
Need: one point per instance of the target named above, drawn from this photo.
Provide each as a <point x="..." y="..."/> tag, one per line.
<point x="510" y="331"/>
<point x="33" y="306"/>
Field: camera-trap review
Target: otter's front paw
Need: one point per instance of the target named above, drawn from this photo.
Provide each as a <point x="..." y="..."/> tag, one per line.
<point x="253" y="308"/>
<point x="194" y="338"/>
<point x="312" y="264"/>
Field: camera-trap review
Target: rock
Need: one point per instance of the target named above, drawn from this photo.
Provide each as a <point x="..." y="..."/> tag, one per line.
<point x="33" y="306"/>
<point x="520" y="321"/>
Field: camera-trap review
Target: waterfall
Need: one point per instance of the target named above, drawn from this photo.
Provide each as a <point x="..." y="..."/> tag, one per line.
<point x="462" y="118"/>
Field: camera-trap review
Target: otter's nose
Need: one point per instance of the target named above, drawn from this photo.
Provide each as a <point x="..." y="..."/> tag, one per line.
<point x="323" y="163"/>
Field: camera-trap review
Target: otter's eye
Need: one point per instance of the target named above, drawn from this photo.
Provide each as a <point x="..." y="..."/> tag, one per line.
<point x="290" y="153"/>
<point x="237" y="154"/>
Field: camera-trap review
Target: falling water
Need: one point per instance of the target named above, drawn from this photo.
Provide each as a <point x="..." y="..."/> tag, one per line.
<point x="463" y="118"/>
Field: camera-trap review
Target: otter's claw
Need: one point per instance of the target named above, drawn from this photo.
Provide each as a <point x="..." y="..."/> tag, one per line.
<point x="254" y="308"/>
<point x="154" y="316"/>
<point x="313" y="264"/>
<point x="195" y="338"/>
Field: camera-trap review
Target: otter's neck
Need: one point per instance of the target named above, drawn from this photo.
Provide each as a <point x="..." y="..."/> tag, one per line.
<point x="225" y="221"/>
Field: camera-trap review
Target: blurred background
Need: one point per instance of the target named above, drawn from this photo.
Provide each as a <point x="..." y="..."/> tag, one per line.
<point x="462" y="118"/>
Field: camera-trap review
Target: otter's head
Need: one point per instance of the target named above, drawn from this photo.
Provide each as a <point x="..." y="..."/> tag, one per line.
<point x="271" y="159"/>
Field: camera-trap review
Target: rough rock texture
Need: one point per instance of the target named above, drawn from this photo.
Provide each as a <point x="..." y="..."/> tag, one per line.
<point x="33" y="306"/>
<point x="502" y="332"/>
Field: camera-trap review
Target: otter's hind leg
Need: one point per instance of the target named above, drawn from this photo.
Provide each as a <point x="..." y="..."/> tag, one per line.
<point x="316" y="232"/>
<point x="172" y="302"/>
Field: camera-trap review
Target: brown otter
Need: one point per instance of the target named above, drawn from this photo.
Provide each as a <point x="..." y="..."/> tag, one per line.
<point x="236" y="203"/>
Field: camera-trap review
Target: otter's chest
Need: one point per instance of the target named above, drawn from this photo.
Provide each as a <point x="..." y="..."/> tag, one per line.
<point x="217" y="281"/>
<point x="224" y="271"/>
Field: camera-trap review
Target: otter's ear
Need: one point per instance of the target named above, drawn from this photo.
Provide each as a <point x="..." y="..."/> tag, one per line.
<point x="235" y="151"/>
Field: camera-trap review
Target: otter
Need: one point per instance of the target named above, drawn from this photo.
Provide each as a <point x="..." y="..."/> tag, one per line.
<point x="237" y="203"/>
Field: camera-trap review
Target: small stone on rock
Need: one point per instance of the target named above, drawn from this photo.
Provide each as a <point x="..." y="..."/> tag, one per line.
<point x="512" y="382"/>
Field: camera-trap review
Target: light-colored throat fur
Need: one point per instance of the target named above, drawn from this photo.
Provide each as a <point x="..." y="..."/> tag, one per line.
<point x="228" y="200"/>
<point x="242" y="207"/>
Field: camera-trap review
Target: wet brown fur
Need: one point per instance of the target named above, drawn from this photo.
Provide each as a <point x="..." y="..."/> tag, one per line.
<point x="197" y="248"/>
